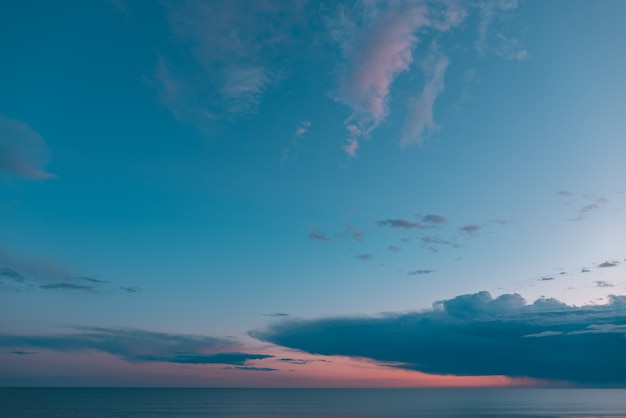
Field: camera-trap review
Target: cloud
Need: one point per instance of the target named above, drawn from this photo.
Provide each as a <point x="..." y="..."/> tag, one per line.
<point x="290" y="152"/>
<point x="608" y="264"/>
<point x="563" y="193"/>
<point x="69" y="286"/>
<point x="250" y="368"/>
<point x="546" y="279"/>
<point x="198" y="358"/>
<point x="138" y="345"/>
<point x="20" y="273"/>
<point x="393" y="248"/>
<point x="23" y="152"/>
<point x="477" y="335"/>
<point x="377" y="40"/>
<point x="419" y="272"/>
<point x="351" y="147"/>
<point x="10" y="274"/>
<point x="229" y="50"/>
<point x="434" y="219"/>
<point x="494" y="41"/>
<point x="352" y="231"/>
<point x="589" y="208"/>
<point x="470" y="228"/>
<point x="316" y="235"/>
<point x="399" y="223"/>
<point x="364" y="257"/>
<point x="420" y="119"/>
<point x="277" y="314"/>
<point x="602" y="283"/>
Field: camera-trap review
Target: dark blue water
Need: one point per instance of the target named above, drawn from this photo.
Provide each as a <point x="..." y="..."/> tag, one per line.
<point x="250" y="403"/>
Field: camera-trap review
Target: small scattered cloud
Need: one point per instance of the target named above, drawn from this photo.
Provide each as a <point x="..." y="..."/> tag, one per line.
<point x="251" y="368"/>
<point x="399" y="223"/>
<point x="364" y="257"/>
<point x="470" y="229"/>
<point x="351" y="231"/>
<point x="433" y="243"/>
<point x="393" y="248"/>
<point x="68" y="286"/>
<point x="24" y="353"/>
<point x="290" y="153"/>
<point x="546" y="279"/>
<point x="434" y="219"/>
<point x="201" y="358"/>
<point x="23" y="152"/>
<point x="476" y="335"/>
<point x="584" y="270"/>
<point x="419" y="272"/>
<point x="277" y="314"/>
<point x="564" y="193"/>
<point x="130" y="289"/>
<point x="603" y="283"/>
<point x="607" y="264"/>
<point x="316" y="235"/>
<point x="589" y="208"/>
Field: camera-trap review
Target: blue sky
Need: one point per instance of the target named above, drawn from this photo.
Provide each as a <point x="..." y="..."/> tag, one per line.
<point x="228" y="175"/>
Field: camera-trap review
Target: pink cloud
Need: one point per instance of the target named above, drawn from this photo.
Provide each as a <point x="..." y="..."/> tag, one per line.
<point x="377" y="51"/>
<point x="377" y="40"/>
<point x="23" y="152"/>
<point x="351" y="147"/>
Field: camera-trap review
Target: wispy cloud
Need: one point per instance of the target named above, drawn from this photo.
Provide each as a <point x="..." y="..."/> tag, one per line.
<point x="606" y="264"/>
<point x="251" y="368"/>
<point x="470" y="229"/>
<point x="434" y="219"/>
<point x="477" y="335"/>
<point x="316" y="235"/>
<point x="352" y="231"/>
<point x="377" y="40"/>
<point x="21" y="273"/>
<point x="229" y="49"/>
<point x="23" y="152"/>
<point x="419" y="272"/>
<point x="420" y="120"/>
<point x="399" y="223"/>
<point x="393" y="248"/>
<point x="138" y="345"/>
<point x="603" y="283"/>
<point x="364" y="257"/>
<point x="490" y="40"/>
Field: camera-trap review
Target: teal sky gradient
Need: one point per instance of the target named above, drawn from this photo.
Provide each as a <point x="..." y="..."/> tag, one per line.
<point x="198" y="167"/>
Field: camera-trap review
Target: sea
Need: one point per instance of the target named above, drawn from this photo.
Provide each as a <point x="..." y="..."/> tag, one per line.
<point x="357" y="403"/>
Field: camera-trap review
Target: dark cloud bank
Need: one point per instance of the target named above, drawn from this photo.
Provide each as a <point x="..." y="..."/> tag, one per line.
<point x="478" y="335"/>
<point x="138" y="345"/>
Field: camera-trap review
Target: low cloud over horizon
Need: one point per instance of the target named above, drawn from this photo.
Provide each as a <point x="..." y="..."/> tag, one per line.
<point x="477" y="335"/>
<point x="138" y="345"/>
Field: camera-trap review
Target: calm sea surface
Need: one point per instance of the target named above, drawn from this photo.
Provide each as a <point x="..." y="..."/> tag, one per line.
<point x="250" y="403"/>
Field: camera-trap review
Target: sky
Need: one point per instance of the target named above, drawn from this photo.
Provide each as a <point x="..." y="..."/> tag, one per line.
<point x="313" y="194"/>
